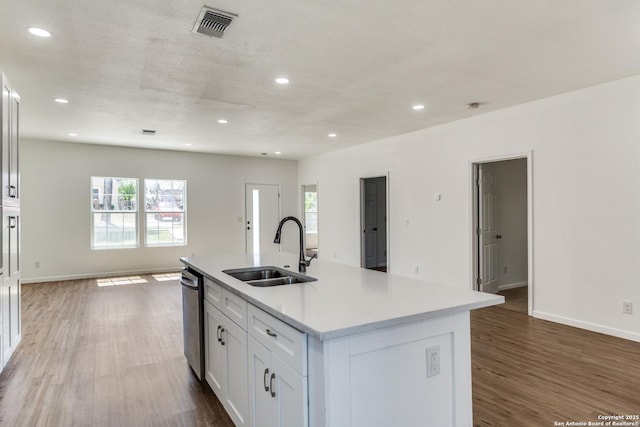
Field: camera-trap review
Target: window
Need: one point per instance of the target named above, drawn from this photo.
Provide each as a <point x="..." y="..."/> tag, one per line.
<point x="311" y="211"/>
<point x="114" y="213"/>
<point x="165" y="212"/>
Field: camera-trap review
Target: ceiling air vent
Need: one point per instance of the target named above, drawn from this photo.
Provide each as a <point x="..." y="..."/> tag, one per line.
<point x="212" y="22"/>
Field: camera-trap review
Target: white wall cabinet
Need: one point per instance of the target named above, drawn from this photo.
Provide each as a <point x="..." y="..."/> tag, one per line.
<point x="10" y="144"/>
<point x="226" y="352"/>
<point x="10" y="304"/>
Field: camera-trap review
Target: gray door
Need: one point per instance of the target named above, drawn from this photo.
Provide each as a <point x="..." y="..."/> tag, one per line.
<point x="374" y="222"/>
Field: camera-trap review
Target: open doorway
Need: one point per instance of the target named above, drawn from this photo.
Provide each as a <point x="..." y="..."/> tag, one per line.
<point x="501" y="229"/>
<point x="373" y="220"/>
<point x="310" y="219"/>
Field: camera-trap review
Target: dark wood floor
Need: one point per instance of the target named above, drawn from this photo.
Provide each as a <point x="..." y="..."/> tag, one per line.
<point x="530" y="372"/>
<point x="516" y="299"/>
<point x="112" y="356"/>
<point x="103" y="356"/>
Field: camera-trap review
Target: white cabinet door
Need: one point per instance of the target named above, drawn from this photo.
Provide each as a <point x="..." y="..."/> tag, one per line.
<point x="215" y="363"/>
<point x="234" y="345"/>
<point x="262" y="407"/>
<point x="10" y="135"/>
<point x="290" y="390"/>
<point x="225" y="362"/>
<point x="277" y="394"/>
<point x="10" y="283"/>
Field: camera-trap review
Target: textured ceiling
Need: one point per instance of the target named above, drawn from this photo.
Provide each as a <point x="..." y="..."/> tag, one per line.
<point x="356" y="67"/>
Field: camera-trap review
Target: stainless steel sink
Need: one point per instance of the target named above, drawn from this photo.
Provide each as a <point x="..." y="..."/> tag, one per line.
<point x="267" y="276"/>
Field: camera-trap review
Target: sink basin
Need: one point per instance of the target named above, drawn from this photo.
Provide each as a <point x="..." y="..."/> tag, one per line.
<point x="267" y="276"/>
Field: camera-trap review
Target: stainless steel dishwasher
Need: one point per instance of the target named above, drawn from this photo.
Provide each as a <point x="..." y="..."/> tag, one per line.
<point x="192" y="320"/>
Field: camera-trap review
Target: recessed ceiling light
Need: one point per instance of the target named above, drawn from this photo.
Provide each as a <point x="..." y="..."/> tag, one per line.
<point x="61" y="101"/>
<point x="39" y="32"/>
<point x="187" y="145"/>
<point x="278" y="152"/>
<point x="223" y="121"/>
<point x="282" y="80"/>
<point x="418" y="107"/>
<point x="73" y="134"/>
<point x="332" y="135"/>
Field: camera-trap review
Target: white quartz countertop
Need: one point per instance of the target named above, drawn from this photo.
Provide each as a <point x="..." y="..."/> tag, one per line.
<point x="344" y="300"/>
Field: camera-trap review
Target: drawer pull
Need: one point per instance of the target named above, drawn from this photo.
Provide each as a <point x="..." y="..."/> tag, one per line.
<point x="271" y="333"/>
<point x="264" y="379"/>
<point x="273" y="392"/>
<point x="222" y="336"/>
<point x="218" y="333"/>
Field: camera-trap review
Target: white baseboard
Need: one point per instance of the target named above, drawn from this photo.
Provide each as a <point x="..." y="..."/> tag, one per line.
<point x="97" y="275"/>
<point x="593" y="327"/>
<point x="512" y="286"/>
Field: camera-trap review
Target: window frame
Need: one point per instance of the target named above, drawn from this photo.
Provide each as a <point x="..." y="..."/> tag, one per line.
<point x="307" y="212"/>
<point x="122" y="212"/>
<point x="170" y="212"/>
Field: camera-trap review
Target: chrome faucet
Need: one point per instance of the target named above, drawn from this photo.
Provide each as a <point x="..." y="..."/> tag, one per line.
<point x="303" y="263"/>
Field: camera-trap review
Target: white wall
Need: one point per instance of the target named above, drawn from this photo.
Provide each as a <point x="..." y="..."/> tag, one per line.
<point x="586" y="175"/>
<point x="55" y="205"/>
<point x="511" y="220"/>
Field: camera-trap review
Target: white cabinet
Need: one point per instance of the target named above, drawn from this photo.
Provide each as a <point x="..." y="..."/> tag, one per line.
<point x="277" y="389"/>
<point x="10" y="318"/>
<point x="11" y="280"/>
<point x="11" y="315"/>
<point x="215" y="366"/>
<point x="10" y="144"/>
<point x="226" y="353"/>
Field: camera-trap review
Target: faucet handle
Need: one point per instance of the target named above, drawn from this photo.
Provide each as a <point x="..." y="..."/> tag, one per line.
<point x="307" y="262"/>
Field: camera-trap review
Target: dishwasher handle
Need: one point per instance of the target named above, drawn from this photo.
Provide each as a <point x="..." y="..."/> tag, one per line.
<point x="189" y="280"/>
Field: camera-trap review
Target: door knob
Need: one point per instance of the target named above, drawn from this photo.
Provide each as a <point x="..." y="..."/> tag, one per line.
<point x="498" y="236"/>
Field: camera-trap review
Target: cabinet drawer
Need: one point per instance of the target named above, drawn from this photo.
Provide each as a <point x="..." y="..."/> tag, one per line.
<point x="235" y="308"/>
<point x="213" y="293"/>
<point x="288" y="343"/>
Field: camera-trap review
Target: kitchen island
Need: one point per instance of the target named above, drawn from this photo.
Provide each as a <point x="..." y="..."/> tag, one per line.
<point x="354" y="348"/>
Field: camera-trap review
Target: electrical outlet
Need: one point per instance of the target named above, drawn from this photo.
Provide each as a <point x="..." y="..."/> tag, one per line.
<point x="416" y="269"/>
<point x="433" y="361"/>
<point x="36" y="264"/>
<point x="504" y="269"/>
<point x="627" y="307"/>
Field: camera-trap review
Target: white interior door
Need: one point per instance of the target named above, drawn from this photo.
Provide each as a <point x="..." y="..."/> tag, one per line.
<point x="488" y="236"/>
<point x="262" y="203"/>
